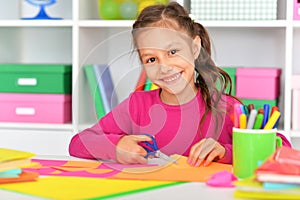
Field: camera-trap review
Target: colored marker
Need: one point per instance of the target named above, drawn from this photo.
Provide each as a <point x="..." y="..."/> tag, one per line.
<point x="250" y="107"/>
<point x="276" y="124"/>
<point x="243" y="121"/>
<point x="261" y="111"/>
<point x="242" y="109"/>
<point x="236" y="115"/>
<point x="251" y="119"/>
<point x="273" y="109"/>
<point x="266" y="114"/>
<point x="246" y="111"/>
<point x="272" y="121"/>
<point x="258" y="121"/>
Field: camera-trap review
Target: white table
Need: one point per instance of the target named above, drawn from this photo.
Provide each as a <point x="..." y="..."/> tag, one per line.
<point x="186" y="191"/>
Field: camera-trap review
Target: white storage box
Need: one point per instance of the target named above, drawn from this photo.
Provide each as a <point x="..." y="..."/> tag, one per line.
<point x="234" y="9"/>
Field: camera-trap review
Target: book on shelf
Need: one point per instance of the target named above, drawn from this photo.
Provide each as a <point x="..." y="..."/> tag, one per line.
<point x="144" y="83"/>
<point x="140" y="85"/>
<point x="148" y="84"/>
<point x="105" y="86"/>
<point x="95" y="92"/>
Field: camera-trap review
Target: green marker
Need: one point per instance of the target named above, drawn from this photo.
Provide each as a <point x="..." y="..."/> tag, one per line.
<point x="258" y="121"/>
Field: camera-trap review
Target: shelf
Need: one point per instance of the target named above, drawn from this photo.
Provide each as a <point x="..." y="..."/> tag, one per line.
<point x="105" y="23"/>
<point x="39" y="126"/>
<point x="36" y="23"/>
<point x="296" y="24"/>
<point x="246" y="24"/>
<point x="295" y="134"/>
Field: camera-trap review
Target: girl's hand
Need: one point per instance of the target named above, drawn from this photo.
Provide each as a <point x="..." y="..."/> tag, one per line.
<point x="205" y="151"/>
<point x="128" y="151"/>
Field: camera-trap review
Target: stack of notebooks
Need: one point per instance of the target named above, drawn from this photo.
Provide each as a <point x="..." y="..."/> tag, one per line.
<point x="11" y="164"/>
<point x="277" y="178"/>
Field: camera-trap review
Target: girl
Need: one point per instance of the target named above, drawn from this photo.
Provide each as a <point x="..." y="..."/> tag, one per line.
<point x="189" y="115"/>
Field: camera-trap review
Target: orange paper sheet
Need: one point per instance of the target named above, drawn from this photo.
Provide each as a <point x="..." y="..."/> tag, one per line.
<point x="174" y="172"/>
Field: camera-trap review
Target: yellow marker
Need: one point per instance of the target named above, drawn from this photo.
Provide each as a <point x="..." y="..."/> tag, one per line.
<point x="243" y="121"/>
<point x="273" y="119"/>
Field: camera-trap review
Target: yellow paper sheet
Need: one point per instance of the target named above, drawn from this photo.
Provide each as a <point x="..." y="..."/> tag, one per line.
<point x="11" y="154"/>
<point x="81" y="188"/>
<point x="174" y="172"/>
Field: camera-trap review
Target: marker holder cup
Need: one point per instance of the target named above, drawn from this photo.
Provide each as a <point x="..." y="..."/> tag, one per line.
<point x="251" y="148"/>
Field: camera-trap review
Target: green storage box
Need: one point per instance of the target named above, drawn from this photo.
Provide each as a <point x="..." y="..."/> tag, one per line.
<point x="260" y="103"/>
<point x="232" y="73"/>
<point x="36" y="78"/>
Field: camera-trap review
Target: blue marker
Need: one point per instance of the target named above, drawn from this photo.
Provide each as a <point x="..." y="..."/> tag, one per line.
<point x="242" y="109"/>
<point x="277" y="122"/>
<point x="266" y="115"/>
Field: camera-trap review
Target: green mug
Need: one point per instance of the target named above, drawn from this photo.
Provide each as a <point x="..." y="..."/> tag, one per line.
<point x="251" y="147"/>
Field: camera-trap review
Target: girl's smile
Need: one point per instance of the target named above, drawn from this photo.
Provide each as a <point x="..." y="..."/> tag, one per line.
<point x="172" y="79"/>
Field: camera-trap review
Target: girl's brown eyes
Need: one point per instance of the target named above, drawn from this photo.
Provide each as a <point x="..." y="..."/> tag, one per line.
<point x="150" y="60"/>
<point x="172" y="52"/>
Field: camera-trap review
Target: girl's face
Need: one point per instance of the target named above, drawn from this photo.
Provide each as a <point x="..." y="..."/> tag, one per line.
<point x="168" y="57"/>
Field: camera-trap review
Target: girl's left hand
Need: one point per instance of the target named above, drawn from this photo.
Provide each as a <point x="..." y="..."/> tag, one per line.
<point x="205" y="152"/>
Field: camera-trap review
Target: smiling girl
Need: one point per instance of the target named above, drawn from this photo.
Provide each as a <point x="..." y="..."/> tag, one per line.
<point x="188" y="115"/>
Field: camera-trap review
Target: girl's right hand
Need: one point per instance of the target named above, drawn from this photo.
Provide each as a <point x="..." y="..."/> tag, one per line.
<point x="128" y="151"/>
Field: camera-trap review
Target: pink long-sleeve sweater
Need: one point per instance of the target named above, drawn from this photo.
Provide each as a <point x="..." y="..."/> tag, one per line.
<point x="176" y="127"/>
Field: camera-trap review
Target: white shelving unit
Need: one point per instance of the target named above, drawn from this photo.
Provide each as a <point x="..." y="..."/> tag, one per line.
<point x="83" y="38"/>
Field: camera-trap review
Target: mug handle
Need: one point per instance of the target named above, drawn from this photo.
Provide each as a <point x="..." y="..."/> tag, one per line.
<point x="278" y="142"/>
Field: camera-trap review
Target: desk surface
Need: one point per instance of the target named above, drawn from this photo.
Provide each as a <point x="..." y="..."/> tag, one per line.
<point x="191" y="190"/>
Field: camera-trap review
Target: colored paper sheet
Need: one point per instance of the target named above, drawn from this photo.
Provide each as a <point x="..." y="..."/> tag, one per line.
<point x="250" y="188"/>
<point x="174" y="172"/>
<point x="79" y="168"/>
<point x="12" y="173"/>
<point x="55" y="187"/>
<point x="71" y="168"/>
<point x="11" y="154"/>
<point x="24" y="176"/>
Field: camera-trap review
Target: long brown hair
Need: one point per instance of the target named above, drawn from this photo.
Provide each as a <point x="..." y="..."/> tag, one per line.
<point x="208" y="74"/>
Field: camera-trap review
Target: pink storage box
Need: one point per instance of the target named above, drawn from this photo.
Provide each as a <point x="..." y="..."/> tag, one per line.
<point x="296" y="81"/>
<point x="296" y="9"/>
<point x="35" y="108"/>
<point x="258" y="83"/>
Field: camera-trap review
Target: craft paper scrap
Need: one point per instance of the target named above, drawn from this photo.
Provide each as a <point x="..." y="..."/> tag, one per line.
<point x="222" y="179"/>
<point x="56" y="187"/>
<point x="71" y="168"/>
<point x="24" y="176"/>
<point x="89" y="168"/>
<point x="174" y="172"/>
